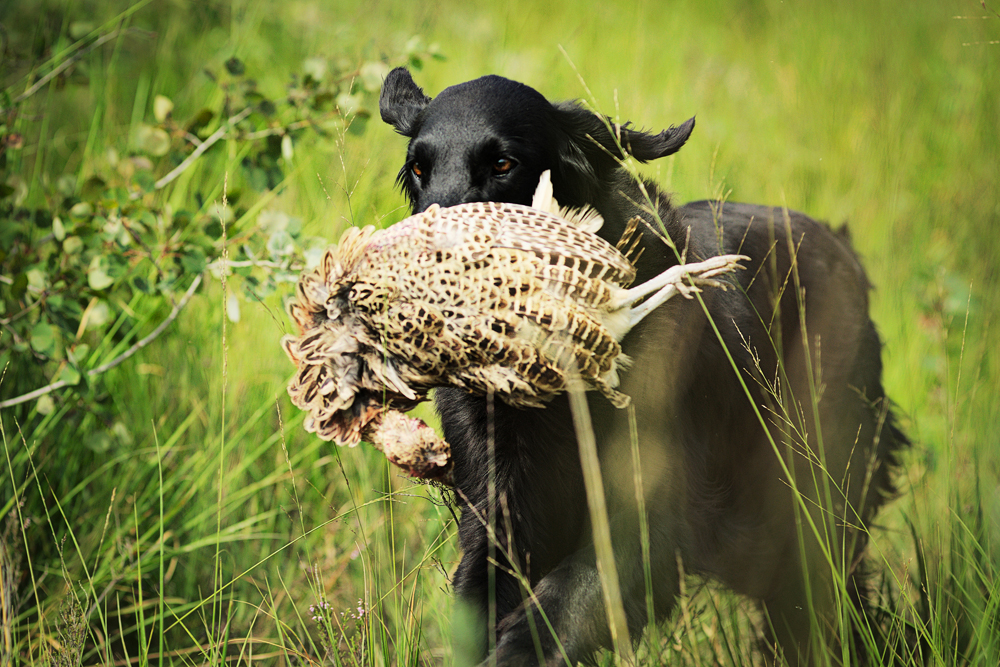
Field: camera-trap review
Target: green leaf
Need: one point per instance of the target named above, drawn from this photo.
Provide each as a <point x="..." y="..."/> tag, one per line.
<point x="20" y="188"/>
<point x="42" y="218"/>
<point x="111" y="228"/>
<point x="99" y="315"/>
<point x="194" y="260"/>
<point x="20" y="287"/>
<point x="315" y="67"/>
<point x="82" y="210"/>
<point x="372" y="75"/>
<point x="78" y="355"/>
<point x="57" y="229"/>
<point x="43" y="338"/>
<point x="93" y="188"/>
<point x="144" y="180"/>
<point x="414" y="45"/>
<point x="66" y="185"/>
<point x="162" y="107"/>
<point x="117" y="266"/>
<point x="140" y="163"/>
<point x="169" y="282"/>
<point x="66" y="311"/>
<point x="72" y="245"/>
<point x="235" y="66"/>
<point x="348" y="103"/>
<point x="80" y="29"/>
<point x="98" y="441"/>
<point x="69" y="375"/>
<point x="152" y="140"/>
<point x="280" y="244"/>
<point x="45" y="405"/>
<point x="97" y="274"/>
<point x="121" y="432"/>
<point x="267" y="107"/>
<point x="37" y="279"/>
<point x="272" y="220"/>
<point x="200" y="120"/>
<point x="214" y="229"/>
<point x="142" y="285"/>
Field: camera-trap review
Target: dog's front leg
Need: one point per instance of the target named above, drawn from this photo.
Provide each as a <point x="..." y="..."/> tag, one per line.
<point x="485" y="585"/>
<point x="564" y="619"/>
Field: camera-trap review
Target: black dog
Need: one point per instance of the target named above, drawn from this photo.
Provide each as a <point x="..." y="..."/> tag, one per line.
<point x="760" y="429"/>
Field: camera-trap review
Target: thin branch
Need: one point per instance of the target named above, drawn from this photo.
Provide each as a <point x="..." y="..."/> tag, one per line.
<point x="4" y="321"/>
<point x="117" y="360"/>
<point x="244" y="263"/>
<point x="66" y="64"/>
<point x="197" y="152"/>
<point x="193" y="139"/>
<point x="297" y="125"/>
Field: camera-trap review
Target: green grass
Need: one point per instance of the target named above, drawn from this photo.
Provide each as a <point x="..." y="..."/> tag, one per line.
<point x="200" y="523"/>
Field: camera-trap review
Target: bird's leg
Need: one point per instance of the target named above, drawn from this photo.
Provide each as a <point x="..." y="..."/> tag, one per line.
<point x="410" y="444"/>
<point x="672" y="282"/>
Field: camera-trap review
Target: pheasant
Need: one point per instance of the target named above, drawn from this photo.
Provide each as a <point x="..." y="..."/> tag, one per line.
<point x="486" y="296"/>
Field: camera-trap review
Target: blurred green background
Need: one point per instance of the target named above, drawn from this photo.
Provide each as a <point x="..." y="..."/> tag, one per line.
<point x="195" y="521"/>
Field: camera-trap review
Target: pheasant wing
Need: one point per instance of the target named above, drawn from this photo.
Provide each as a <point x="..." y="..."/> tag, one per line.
<point x="561" y="243"/>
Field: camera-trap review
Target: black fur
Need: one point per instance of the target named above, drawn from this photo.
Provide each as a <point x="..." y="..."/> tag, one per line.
<point x="714" y="490"/>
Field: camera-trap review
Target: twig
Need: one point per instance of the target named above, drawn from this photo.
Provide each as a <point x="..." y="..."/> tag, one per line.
<point x="193" y="139"/>
<point x="196" y="153"/>
<point x="297" y="125"/>
<point x="117" y="360"/>
<point x="66" y="64"/>
<point x="244" y="263"/>
<point x="4" y="321"/>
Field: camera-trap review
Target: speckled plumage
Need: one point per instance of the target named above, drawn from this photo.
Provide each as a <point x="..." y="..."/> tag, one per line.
<point x="490" y="297"/>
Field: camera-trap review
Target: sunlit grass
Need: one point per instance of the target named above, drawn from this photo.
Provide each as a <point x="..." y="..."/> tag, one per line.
<point x="162" y="538"/>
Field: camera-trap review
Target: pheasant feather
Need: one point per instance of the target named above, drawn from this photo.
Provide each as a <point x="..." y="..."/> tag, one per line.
<point x="486" y="296"/>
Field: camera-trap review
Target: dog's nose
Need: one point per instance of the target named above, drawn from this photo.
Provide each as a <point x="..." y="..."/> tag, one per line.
<point x="448" y="183"/>
<point x="444" y="199"/>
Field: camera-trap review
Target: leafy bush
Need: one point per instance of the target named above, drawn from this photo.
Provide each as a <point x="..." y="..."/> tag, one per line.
<point x="102" y="247"/>
<point x="78" y="255"/>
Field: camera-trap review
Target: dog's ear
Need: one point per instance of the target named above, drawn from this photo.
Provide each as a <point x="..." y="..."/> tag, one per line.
<point x="401" y="101"/>
<point x="595" y="134"/>
<point x="592" y="147"/>
<point x="644" y="146"/>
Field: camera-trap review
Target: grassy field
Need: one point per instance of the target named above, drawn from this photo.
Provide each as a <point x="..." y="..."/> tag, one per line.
<point x="196" y="522"/>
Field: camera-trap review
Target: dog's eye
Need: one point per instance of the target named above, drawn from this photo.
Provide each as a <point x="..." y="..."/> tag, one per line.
<point x="502" y="166"/>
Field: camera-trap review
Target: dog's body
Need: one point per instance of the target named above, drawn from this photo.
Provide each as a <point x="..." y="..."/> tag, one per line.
<point x="714" y="483"/>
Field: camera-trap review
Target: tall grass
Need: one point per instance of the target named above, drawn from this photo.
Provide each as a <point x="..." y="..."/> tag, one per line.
<point x="202" y="525"/>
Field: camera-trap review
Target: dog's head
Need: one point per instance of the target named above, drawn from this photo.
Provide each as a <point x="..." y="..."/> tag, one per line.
<point x="490" y="139"/>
